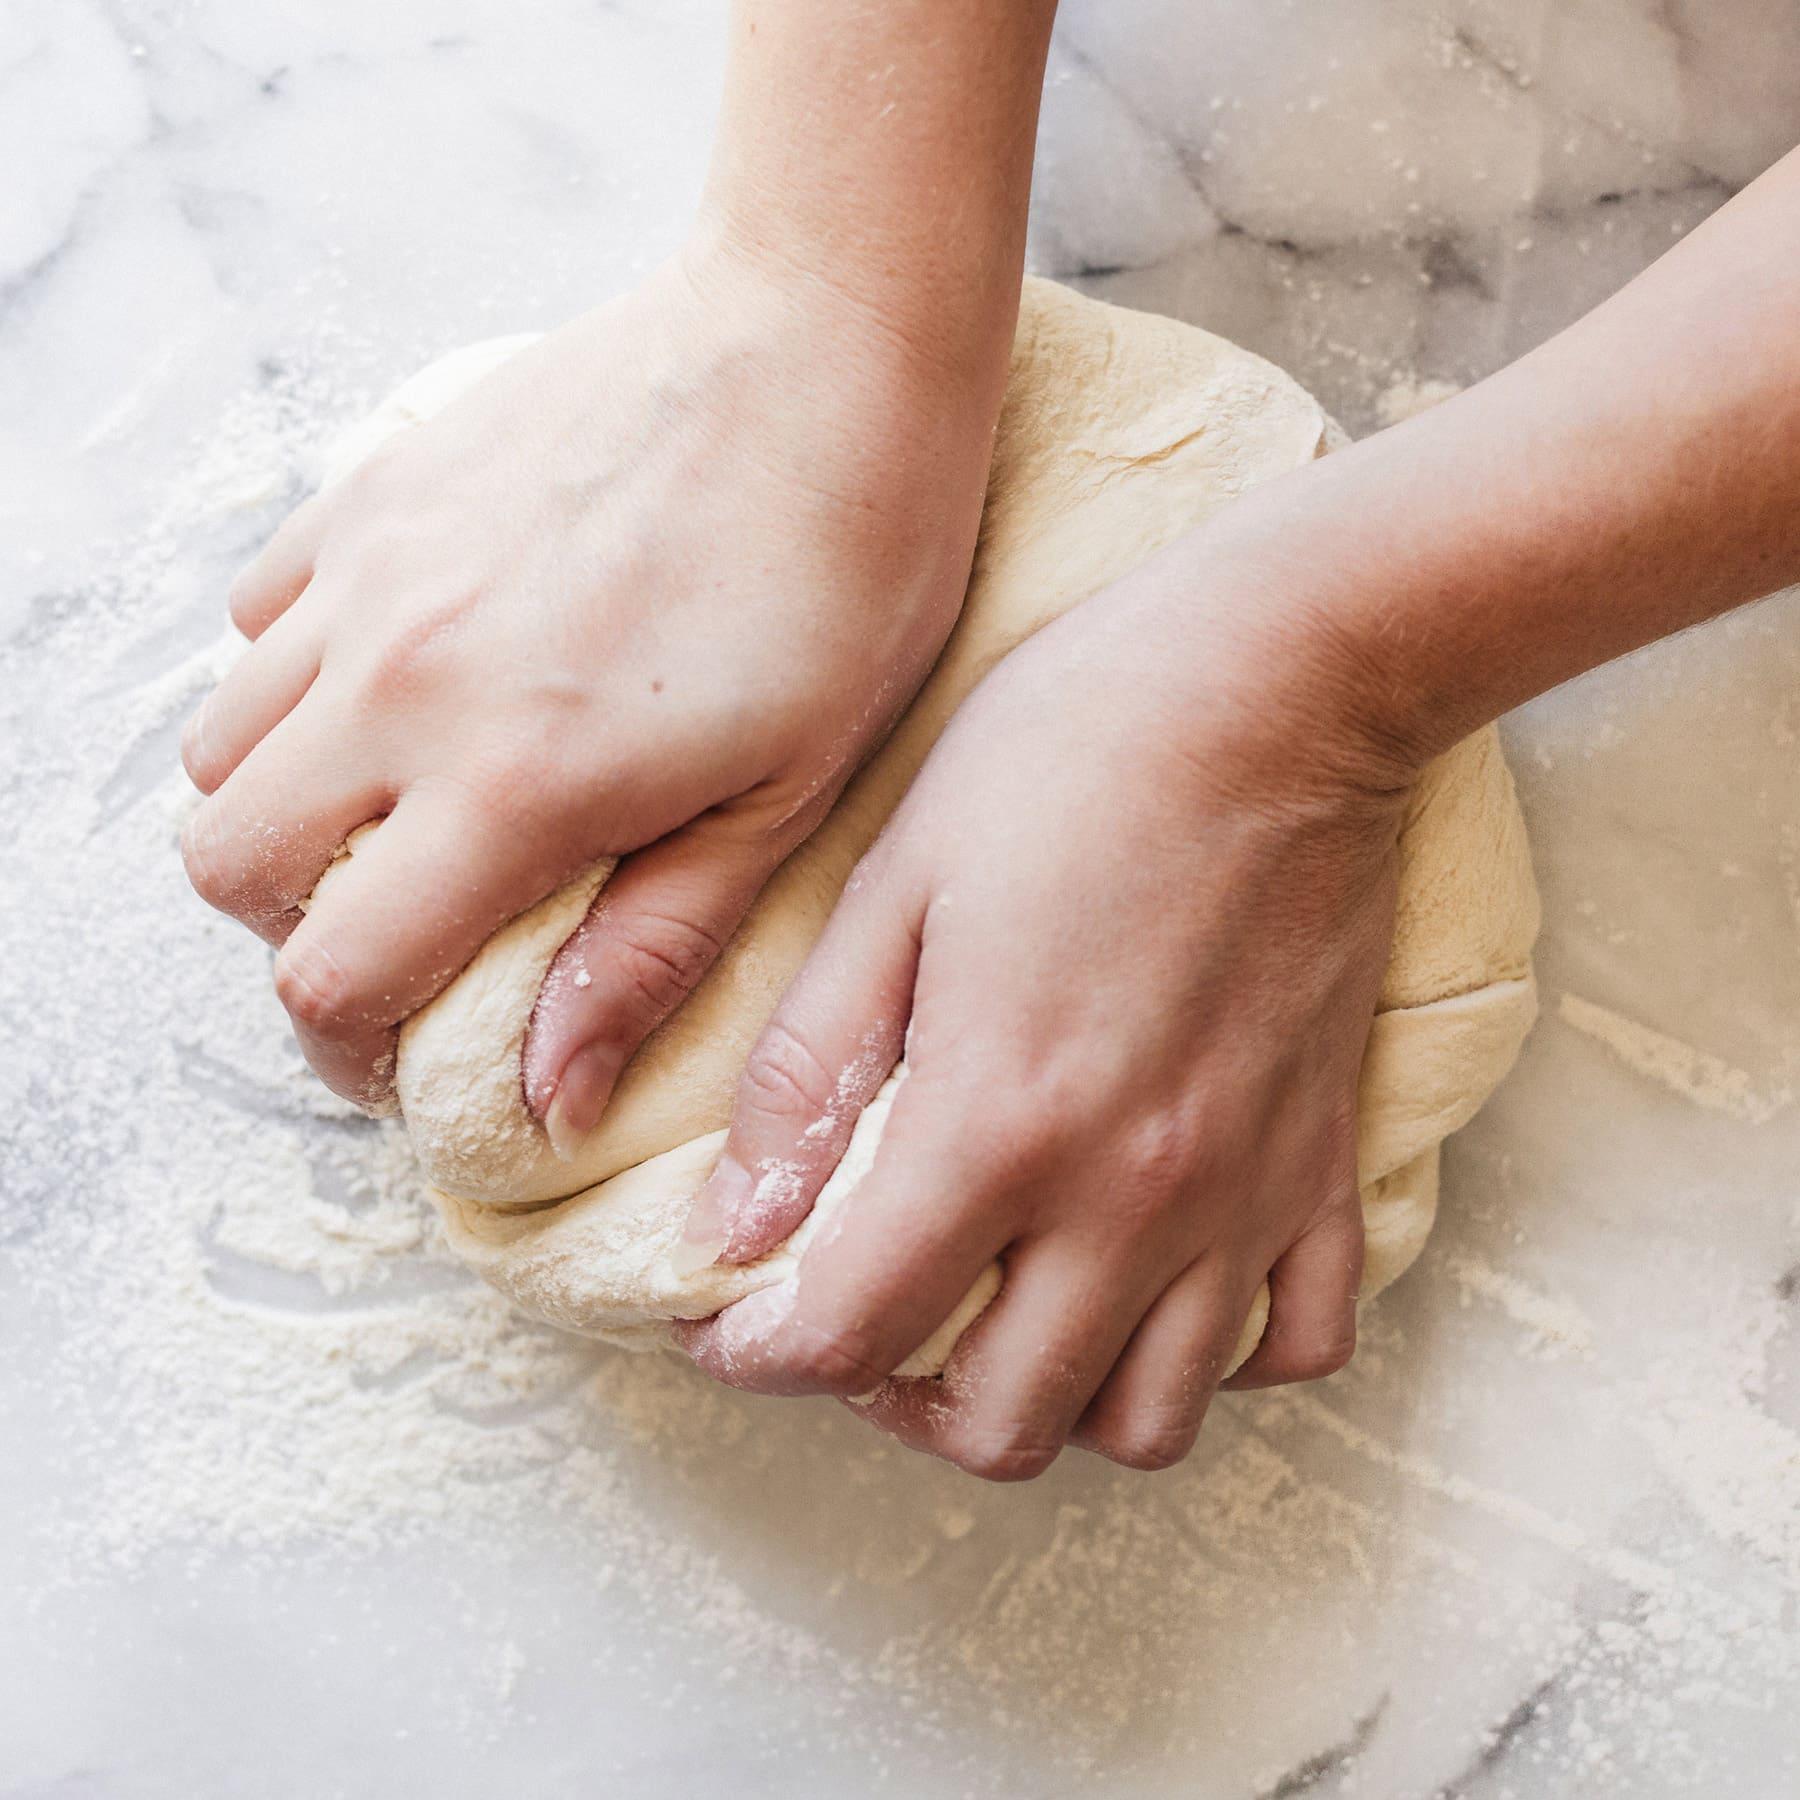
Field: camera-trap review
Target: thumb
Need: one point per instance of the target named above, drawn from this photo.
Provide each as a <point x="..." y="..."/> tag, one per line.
<point x="653" y="931"/>
<point x="832" y="1042"/>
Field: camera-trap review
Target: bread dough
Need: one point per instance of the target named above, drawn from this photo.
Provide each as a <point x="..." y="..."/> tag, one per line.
<point x="1119" y="431"/>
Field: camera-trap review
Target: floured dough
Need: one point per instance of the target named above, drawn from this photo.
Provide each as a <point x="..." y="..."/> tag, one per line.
<point x="1119" y="431"/>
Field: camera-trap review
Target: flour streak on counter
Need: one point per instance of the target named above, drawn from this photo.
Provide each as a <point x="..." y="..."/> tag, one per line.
<point x="1705" y="1080"/>
<point x="267" y="1446"/>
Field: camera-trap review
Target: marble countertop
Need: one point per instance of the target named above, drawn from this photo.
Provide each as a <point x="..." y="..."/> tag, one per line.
<point x="1542" y="1539"/>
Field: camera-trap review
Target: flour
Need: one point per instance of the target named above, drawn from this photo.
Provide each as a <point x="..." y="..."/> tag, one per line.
<point x="262" y="1344"/>
<point x="1553" y="1327"/>
<point x="1706" y="1419"/>
<point x="1708" y="1081"/>
<point x="1406" y="396"/>
<point x="254" y="1345"/>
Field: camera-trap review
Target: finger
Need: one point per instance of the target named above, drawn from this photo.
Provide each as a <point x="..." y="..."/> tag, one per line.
<point x="395" y="924"/>
<point x="268" y="681"/>
<point x="1025" y="1373"/>
<point x="657" y="927"/>
<point x="275" y="578"/>
<point x="911" y="1241"/>
<point x="1312" y="1302"/>
<point x="833" y="1040"/>
<point x="258" y="846"/>
<point x="1149" y="1410"/>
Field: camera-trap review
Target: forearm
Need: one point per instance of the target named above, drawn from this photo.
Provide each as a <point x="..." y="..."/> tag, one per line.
<point x="881" y="151"/>
<point x="1637" y="474"/>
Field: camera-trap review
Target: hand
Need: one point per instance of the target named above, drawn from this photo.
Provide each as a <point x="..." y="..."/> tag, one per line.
<point x="1130" y="924"/>
<point x="654" y="586"/>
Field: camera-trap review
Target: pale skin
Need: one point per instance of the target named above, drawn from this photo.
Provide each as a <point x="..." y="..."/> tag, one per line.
<point x="657" y="588"/>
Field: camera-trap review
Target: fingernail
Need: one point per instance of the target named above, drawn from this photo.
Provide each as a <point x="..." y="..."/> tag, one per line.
<point x="565" y="1138"/>
<point x="710" y="1218"/>
<point x="579" y="1100"/>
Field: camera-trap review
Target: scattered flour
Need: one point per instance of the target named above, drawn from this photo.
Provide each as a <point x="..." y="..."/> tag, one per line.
<point x="261" y="1348"/>
<point x="1406" y="396"/>
<point x="1554" y="1327"/>
<point x="1697" y="1075"/>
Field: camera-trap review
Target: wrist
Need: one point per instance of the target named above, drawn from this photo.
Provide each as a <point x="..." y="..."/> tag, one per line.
<point x="912" y="405"/>
<point x="1336" y="575"/>
<point x="880" y="158"/>
<point x="949" y="339"/>
<point x="1242" y="640"/>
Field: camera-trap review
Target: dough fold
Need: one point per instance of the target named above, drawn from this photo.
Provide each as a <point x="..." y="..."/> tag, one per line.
<point x="1119" y="432"/>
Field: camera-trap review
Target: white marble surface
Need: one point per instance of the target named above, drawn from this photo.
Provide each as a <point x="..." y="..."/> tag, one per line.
<point x="1543" y="1539"/>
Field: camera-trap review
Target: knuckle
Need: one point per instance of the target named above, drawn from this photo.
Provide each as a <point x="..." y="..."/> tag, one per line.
<point x="316" y="990"/>
<point x="837" y="1358"/>
<point x="1150" y="1443"/>
<point x="1332" y="1355"/>
<point x="1002" y="1453"/>
<point x="1138" y="1207"/>
<point x="1144" y="1193"/>
<point x="1343" y="1198"/>
<point x="400" y="667"/>
<point x="419" y="642"/>
<point x="660" y="959"/>
<point x="1336" y="1229"/>
<point x="1020" y="1140"/>
<point x="1160" y="1152"/>
<point x="214" y="874"/>
<point x="784" y="1076"/>
<point x="1317" y="1356"/>
<point x="1347" y="1206"/>
<point x="523" y="778"/>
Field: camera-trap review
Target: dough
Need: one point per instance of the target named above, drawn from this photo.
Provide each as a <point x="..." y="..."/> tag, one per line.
<point x="1120" y="430"/>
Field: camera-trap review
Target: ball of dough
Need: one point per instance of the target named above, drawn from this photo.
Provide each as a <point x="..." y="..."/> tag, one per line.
<point x="1119" y="431"/>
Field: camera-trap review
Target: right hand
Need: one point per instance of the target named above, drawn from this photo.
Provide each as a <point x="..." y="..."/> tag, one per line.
<point x="1129" y="926"/>
<point x="652" y="589"/>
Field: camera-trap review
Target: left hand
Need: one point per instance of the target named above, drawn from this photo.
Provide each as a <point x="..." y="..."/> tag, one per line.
<point x="1129" y="925"/>
<point x="649" y="589"/>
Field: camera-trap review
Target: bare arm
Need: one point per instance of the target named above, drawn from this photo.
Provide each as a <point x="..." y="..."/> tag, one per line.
<point x="652" y="588"/>
<point x="1149" y="1106"/>
<point x="883" y="148"/>
<point x="1637" y="474"/>
<point x="873" y="163"/>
